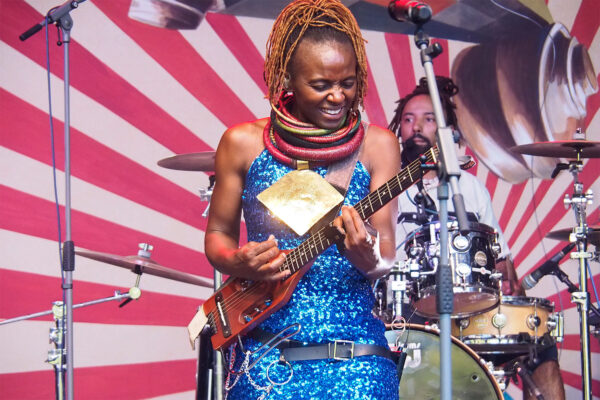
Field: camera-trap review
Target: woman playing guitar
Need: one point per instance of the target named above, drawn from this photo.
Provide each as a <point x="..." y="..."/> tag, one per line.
<point x="315" y="70"/>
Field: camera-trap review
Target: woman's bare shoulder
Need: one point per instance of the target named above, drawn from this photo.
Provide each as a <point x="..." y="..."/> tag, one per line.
<point x="381" y="147"/>
<point x="242" y="142"/>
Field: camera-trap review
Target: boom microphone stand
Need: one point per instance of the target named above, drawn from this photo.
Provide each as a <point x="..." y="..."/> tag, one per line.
<point x="60" y="15"/>
<point x="449" y="172"/>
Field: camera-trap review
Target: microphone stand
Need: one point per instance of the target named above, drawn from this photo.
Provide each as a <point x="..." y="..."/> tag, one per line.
<point x="449" y="172"/>
<point x="60" y="15"/>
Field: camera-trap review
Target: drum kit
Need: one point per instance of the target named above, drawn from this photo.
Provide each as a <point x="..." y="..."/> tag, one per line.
<point x="495" y="337"/>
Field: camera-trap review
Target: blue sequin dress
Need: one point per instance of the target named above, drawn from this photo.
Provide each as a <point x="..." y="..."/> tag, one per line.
<point x="332" y="301"/>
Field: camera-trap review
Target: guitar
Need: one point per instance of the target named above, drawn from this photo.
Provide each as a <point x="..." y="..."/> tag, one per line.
<point x="240" y="304"/>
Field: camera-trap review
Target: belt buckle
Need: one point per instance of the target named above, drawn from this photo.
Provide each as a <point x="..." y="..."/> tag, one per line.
<point x="335" y="348"/>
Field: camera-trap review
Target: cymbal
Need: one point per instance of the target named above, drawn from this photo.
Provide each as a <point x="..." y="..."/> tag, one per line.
<point x="146" y="265"/>
<point x="203" y="161"/>
<point x="593" y="235"/>
<point x="561" y="149"/>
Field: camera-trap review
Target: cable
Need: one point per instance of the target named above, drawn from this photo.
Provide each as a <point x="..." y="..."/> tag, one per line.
<point x="516" y="13"/>
<point x="593" y="284"/>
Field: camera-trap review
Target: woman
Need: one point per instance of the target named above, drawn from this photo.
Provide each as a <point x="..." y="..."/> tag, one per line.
<point x="315" y="70"/>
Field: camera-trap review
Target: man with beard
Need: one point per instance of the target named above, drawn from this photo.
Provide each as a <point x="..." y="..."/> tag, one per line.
<point x="414" y="123"/>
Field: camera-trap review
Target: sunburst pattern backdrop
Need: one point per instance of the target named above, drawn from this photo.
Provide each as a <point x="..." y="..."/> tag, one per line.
<point x="140" y="94"/>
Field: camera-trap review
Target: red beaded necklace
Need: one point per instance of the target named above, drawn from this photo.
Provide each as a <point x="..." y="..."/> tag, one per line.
<point x="291" y="141"/>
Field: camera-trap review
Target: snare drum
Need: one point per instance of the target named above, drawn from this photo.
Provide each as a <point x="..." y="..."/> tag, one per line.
<point x="517" y="324"/>
<point x="472" y="257"/>
<point x="471" y="378"/>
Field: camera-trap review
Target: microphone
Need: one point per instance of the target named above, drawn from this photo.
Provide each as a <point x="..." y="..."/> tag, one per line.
<point x="546" y="268"/>
<point x="410" y="10"/>
<point x="53" y="16"/>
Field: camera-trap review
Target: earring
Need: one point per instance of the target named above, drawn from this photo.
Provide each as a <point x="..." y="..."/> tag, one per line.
<point x="286" y="83"/>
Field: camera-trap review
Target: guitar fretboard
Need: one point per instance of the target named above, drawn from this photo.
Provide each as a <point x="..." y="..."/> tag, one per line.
<point x="325" y="237"/>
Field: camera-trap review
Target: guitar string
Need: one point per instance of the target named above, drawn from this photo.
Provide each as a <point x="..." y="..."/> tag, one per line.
<point x="396" y="182"/>
<point x="237" y="297"/>
<point x="232" y="301"/>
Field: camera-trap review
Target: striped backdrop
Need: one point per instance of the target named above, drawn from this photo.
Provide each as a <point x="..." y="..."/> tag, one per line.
<point x="140" y="94"/>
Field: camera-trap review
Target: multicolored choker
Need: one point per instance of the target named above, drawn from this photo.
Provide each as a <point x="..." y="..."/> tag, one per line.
<point x="296" y="143"/>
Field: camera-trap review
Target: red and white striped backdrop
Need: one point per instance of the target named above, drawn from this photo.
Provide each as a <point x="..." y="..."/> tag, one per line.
<point x="140" y="94"/>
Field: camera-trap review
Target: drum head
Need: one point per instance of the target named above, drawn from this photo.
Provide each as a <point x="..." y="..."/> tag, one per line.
<point x="421" y="375"/>
<point x="467" y="301"/>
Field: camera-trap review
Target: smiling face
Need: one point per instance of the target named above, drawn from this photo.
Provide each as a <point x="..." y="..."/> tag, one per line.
<point x="323" y="79"/>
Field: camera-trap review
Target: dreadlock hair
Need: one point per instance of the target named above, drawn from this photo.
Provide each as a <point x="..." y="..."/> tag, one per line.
<point x="319" y="20"/>
<point x="446" y="88"/>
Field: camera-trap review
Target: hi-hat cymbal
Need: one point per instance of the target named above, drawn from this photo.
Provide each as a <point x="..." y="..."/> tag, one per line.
<point x="146" y="265"/>
<point x="561" y="149"/>
<point x="203" y="161"/>
<point x="593" y="235"/>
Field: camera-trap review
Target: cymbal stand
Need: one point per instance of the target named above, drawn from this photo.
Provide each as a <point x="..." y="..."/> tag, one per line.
<point x="578" y="202"/>
<point x="134" y="293"/>
<point x="205" y="194"/>
<point x="57" y="355"/>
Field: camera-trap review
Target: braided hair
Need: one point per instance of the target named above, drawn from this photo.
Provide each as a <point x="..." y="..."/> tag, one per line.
<point x="319" y="20"/>
<point x="447" y="90"/>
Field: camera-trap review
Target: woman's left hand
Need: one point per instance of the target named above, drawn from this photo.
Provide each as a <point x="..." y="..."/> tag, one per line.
<point x="359" y="245"/>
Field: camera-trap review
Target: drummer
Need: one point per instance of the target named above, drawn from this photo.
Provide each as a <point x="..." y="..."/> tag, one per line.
<point x="414" y="123"/>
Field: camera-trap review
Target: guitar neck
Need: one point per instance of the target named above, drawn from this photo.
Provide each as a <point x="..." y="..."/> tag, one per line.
<point x="392" y="188"/>
<point x="328" y="235"/>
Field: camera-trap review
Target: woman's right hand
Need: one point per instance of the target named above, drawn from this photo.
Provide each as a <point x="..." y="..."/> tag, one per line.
<point x="260" y="261"/>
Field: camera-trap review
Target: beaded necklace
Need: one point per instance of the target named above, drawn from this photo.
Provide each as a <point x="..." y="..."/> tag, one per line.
<point x="293" y="142"/>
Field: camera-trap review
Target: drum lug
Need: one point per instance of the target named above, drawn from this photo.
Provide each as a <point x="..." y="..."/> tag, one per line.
<point x="499" y="321"/>
<point x="533" y="321"/>
<point x="556" y="324"/>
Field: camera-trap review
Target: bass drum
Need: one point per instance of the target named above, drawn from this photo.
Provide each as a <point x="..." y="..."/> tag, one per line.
<point x="420" y="379"/>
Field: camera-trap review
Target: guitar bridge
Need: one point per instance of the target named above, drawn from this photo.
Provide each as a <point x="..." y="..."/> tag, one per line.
<point x="222" y="315"/>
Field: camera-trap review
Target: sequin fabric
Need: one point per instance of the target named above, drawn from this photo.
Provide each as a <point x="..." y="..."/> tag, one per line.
<point x="332" y="301"/>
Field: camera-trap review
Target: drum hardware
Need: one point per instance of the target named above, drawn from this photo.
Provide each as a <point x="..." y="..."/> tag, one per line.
<point x="203" y="161"/>
<point x="499" y="374"/>
<point x="578" y="149"/>
<point x="520" y="369"/>
<point x="476" y="282"/>
<point x="517" y="325"/>
<point x="142" y="263"/>
<point x="398" y="282"/>
<point x="206" y="194"/>
<point x="57" y="357"/>
<point x="591" y="233"/>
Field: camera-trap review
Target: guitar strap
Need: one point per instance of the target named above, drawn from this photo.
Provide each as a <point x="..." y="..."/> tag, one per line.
<point x="339" y="175"/>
